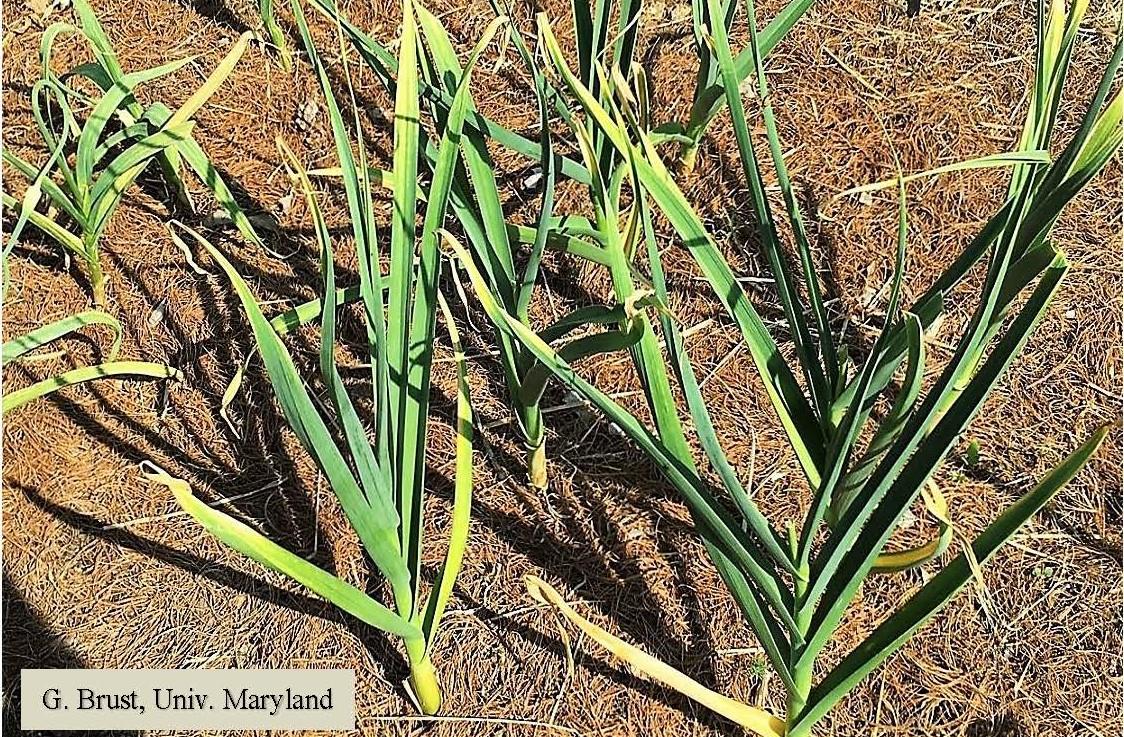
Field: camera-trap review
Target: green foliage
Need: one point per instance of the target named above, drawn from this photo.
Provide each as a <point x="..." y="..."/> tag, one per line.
<point x="17" y="349"/>
<point x="91" y="165"/>
<point x="475" y="199"/>
<point x="709" y="96"/>
<point x="381" y="485"/>
<point x="792" y="589"/>
<point x="276" y="36"/>
<point x="865" y="468"/>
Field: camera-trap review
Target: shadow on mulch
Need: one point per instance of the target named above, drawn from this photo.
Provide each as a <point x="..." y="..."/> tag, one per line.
<point x="31" y="643"/>
<point x="1000" y="725"/>
<point x="262" y="456"/>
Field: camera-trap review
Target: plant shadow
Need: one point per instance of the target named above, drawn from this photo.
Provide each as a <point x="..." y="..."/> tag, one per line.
<point x="30" y="642"/>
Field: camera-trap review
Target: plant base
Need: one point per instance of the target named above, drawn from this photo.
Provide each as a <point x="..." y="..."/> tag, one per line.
<point x="97" y="283"/>
<point x="423" y="682"/>
<point x="536" y="466"/>
<point x="688" y="155"/>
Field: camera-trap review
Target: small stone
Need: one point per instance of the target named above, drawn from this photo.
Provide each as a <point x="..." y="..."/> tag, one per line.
<point x="532" y="181"/>
<point x="306" y="115"/>
<point x="218" y="219"/>
<point x="285" y="204"/>
<point x="157" y="315"/>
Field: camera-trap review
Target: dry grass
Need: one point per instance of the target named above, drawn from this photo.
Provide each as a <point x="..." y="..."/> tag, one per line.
<point x="1041" y="657"/>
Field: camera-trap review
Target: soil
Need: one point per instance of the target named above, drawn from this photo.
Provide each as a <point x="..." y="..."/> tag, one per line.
<point x="101" y="570"/>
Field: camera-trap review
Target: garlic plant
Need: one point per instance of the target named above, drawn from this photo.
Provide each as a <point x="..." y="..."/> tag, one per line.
<point x="380" y="482"/>
<point x="91" y="165"/>
<point x="794" y="590"/>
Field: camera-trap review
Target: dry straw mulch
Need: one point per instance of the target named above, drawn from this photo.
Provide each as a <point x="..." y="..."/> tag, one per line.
<point x="100" y="571"/>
